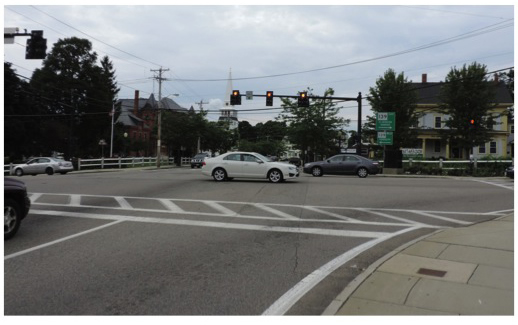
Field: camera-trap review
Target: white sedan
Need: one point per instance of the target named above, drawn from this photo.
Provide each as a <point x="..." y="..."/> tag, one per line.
<point x="247" y="165"/>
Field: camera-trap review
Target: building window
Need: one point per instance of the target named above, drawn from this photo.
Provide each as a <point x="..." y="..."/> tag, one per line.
<point x="492" y="147"/>
<point x="438" y="122"/>
<point x="437" y="146"/>
<point x="482" y="149"/>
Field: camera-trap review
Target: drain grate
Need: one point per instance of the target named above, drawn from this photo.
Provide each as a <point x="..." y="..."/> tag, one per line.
<point x="431" y="272"/>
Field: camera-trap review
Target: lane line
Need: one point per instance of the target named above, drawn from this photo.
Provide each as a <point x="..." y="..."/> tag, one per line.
<point x="290" y="298"/>
<point x="495" y="184"/>
<point x="32" y="249"/>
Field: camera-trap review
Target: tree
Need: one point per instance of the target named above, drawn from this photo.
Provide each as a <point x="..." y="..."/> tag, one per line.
<point x="314" y="128"/>
<point x="77" y="94"/>
<point x="394" y="93"/>
<point x="467" y="97"/>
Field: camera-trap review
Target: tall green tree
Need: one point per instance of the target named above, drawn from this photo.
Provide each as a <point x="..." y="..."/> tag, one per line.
<point x="394" y="93"/>
<point x="22" y="118"/>
<point x="314" y="129"/>
<point x="77" y="94"/>
<point x="467" y="96"/>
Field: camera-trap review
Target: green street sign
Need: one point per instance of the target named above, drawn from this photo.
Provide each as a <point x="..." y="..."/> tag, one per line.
<point x="386" y="121"/>
<point x="385" y="138"/>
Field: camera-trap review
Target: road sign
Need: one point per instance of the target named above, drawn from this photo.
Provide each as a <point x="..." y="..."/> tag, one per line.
<point x="249" y="95"/>
<point x="385" y="138"/>
<point x="386" y="121"/>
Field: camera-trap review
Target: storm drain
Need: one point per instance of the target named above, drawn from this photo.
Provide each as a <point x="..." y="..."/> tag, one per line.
<point x="431" y="272"/>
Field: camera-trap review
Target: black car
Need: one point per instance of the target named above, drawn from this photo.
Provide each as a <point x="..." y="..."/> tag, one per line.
<point x="343" y="164"/>
<point x="16" y="205"/>
<point x="509" y="172"/>
<point x="197" y="160"/>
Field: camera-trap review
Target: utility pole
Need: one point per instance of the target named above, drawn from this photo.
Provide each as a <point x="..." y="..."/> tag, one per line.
<point x="200" y="104"/>
<point x="159" y="135"/>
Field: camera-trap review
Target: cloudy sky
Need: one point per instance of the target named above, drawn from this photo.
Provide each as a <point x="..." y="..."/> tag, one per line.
<point x="283" y="48"/>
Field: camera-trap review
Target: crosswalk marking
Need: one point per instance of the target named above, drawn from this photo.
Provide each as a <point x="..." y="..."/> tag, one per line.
<point x="321" y="214"/>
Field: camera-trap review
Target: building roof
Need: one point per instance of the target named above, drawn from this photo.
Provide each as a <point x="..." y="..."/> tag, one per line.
<point x="428" y="93"/>
<point x="127" y="116"/>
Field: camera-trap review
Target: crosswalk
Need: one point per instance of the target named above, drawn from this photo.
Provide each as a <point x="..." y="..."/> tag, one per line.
<point x="334" y="219"/>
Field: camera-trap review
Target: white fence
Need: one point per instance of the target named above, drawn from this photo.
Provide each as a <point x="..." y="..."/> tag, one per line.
<point x="111" y="163"/>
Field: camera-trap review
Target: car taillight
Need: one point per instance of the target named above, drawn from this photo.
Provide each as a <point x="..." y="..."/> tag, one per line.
<point x="203" y="164"/>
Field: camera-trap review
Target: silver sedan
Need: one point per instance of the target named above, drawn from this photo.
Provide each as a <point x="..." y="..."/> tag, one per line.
<point x="43" y="165"/>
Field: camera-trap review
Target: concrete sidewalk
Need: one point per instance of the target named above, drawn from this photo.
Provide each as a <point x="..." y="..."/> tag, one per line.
<point x="456" y="271"/>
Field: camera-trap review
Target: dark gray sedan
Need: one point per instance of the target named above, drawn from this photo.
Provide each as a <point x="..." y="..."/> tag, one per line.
<point x="344" y="164"/>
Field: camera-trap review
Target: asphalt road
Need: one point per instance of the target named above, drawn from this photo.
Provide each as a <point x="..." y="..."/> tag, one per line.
<point x="174" y="242"/>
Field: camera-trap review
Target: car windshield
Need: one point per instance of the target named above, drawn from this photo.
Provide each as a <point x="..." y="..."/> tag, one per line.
<point x="198" y="156"/>
<point x="263" y="158"/>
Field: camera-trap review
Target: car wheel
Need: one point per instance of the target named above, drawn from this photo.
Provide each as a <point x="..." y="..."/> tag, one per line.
<point x="12" y="220"/>
<point x="317" y="171"/>
<point x="219" y="174"/>
<point x="275" y="176"/>
<point x="49" y="171"/>
<point x="18" y="172"/>
<point x="362" y="172"/>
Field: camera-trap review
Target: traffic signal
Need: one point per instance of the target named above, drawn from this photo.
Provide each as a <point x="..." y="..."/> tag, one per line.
<point x="472" y="122"/>
<point x="235" y="98"/>
<point x="269" y="98"/>
<point x="36" y="46"/>
<point x="303" y="99"/>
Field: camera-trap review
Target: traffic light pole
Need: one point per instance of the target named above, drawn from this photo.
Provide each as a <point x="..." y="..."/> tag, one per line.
<point x="356" y="99"/>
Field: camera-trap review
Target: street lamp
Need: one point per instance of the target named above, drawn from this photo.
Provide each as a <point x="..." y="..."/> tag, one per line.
<point x="159" y="135"/>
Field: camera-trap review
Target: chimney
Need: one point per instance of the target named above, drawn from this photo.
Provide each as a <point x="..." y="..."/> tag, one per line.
<point x="135" y="104"/>
<point x="423" y="78"/>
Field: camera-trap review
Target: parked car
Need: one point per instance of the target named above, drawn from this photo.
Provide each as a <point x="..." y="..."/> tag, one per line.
<point x="43" y="165"/>
<point x="16" y="205"/>
<point x="198" y="159"/>
<point x="509" y="172"/>
<point x="344" y="164"/>
<point x="247" y="165"/>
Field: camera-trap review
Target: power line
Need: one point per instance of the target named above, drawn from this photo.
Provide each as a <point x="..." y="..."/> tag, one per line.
<point x="476" y="32"/>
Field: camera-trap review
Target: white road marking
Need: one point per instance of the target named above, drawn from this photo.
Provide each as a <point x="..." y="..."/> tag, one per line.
<point x="222" y="211"/>
<point x="441" y="218"/>
<point x="171" y="206"/>
<point x="506" y="185"/>
<point x="123" y="203"/>
<point x="276" y="212"/>
<point x="32" y="249"/>
<point x="183" y="222"/>
<point x="286" y="301"/>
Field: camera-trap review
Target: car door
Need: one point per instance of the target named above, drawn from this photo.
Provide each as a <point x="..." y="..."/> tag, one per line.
<point x="334" y="165"/>
<point x="350" y="164"/>
<point x="31" y="167"/>
<point x="233" y="165"/>
<point x="253" y="167"/>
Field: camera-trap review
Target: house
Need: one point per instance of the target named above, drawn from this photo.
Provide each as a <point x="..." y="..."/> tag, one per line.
<point x="139" y="117"/>
<point x="431" y="122"/>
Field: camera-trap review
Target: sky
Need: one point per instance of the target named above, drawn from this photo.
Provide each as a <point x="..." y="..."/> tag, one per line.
<point x="283" y="48"/>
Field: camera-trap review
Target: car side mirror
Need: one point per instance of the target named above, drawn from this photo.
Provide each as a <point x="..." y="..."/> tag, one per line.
<point x="259" y="161"/>
<point x="329" y="160"/>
